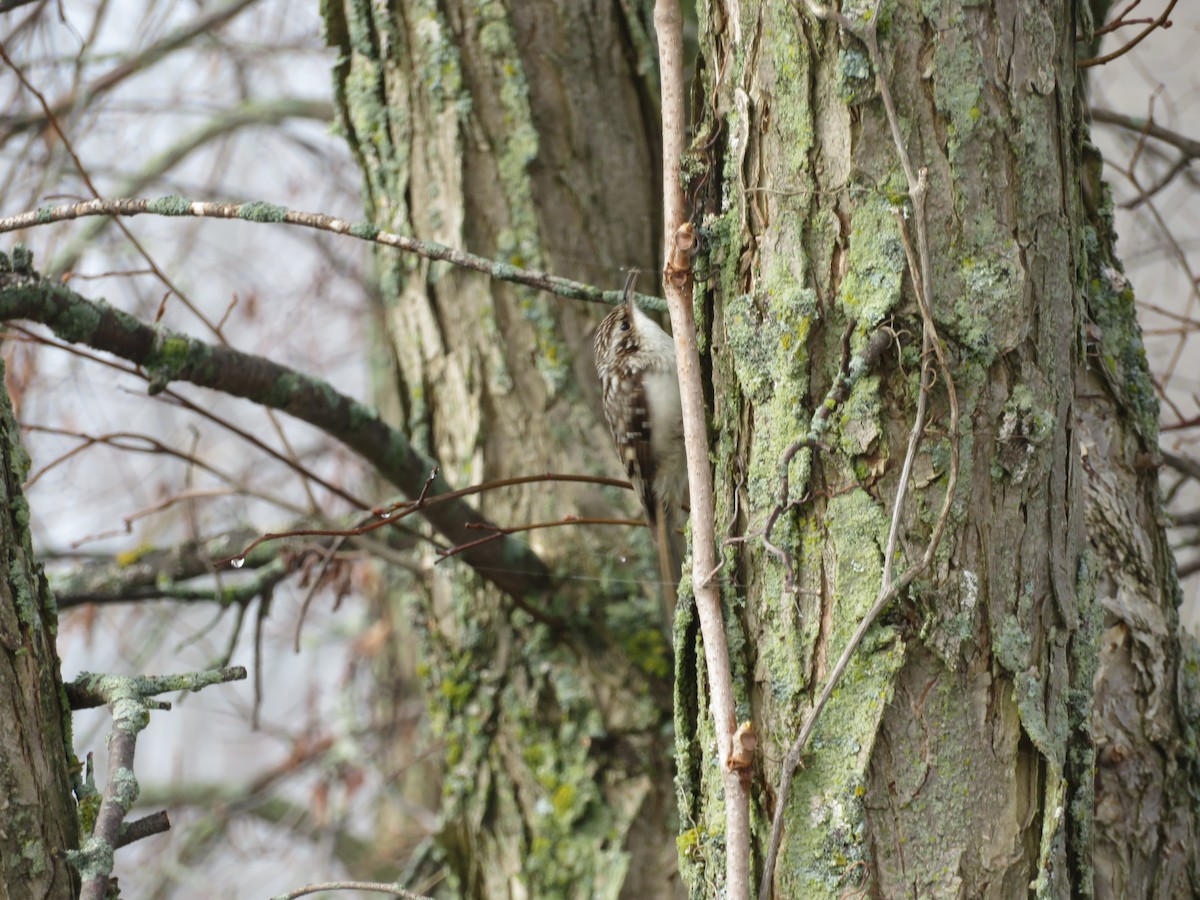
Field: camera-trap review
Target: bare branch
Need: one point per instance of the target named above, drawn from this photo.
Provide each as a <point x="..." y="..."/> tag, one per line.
<point x="248" y="114"/>
<point x="1163" y="21"/>
<point x="202" y="24"/>
<point x="394" y="889"/>
<point x="146" y="826"/>
<point x="1190" y="147"/>
<point x="668" y="23"/>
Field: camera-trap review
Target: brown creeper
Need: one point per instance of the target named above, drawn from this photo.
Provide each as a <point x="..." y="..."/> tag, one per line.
<point x="636" y="363"/>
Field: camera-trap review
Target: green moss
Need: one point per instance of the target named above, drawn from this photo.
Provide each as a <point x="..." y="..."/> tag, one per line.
<point x="178" y="358"/>
<point x="259" y="211"/>
<point x="27" y="606"/>
<point x="649" y="651"/>
<point x="856" y="81"/>
<point x="564" y="799"/>
<point x="364" y="230"/>
<point x="876" y="263"/>
<point x="77" y="322"/>
<point x="170" y="205"/>
<point x="173" y="352"/>
<point x="455" y="693"/>
<point x="989" y="313"/>
<point x="22" y="260"/>
<point x="1120" y="351"/>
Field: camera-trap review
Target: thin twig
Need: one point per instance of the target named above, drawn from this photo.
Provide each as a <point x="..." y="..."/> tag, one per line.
<point x="87" y="180"/>
<point x="375" y="887"/>
<point x="1190" y="147"/>
<point x="1163" y="21"/>
<point x="668" y="23"/>
<point x="269" y="213"/>
<point x="393" y="515"/>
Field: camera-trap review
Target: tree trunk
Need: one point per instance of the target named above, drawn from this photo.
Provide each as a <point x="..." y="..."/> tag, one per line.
<point x="525" y="133"/>
<point x="1020" y="721"/>
<point x="37" y="807"/>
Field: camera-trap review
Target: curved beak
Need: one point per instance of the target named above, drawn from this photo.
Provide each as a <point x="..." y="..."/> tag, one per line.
<point x="630" y="280"/>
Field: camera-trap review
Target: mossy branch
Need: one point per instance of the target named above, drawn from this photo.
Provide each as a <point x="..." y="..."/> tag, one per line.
<point x="168" y="356"/>
<point x="130" y="700"/>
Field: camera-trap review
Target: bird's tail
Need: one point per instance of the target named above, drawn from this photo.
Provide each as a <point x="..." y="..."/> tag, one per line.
<point x="671" y="547"/>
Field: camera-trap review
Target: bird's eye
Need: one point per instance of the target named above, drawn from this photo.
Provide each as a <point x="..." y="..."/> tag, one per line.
<point x="624" y="326"/>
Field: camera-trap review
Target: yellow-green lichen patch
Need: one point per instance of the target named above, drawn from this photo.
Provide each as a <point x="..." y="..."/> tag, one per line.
<point x="520" y="243"/>
<point x="876" y="263"/>
<point x="786" y="84"/>
<point x="751" y="355"/>
<point x="857" y="531"/>
<point x="825" y="857"/>
<point x="989" y="316"/>
<point x="857" y="420"/>
<point x="958" y="80"/>
<point x="438" y="63"/>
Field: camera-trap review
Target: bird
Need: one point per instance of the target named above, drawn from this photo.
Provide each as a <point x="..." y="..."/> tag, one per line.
<point x="639" y="382"/>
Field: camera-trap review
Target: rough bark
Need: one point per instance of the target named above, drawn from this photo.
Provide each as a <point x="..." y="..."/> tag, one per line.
<point x="37" y="807"/>
<point x="522" y="132"/>
<point x="1147" y="700"/>
<point x="1040" y="655"/>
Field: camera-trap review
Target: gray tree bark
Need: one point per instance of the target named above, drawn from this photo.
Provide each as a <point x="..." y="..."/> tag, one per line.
<point x="37" y="807"/>
<point x="524" y="132"/>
